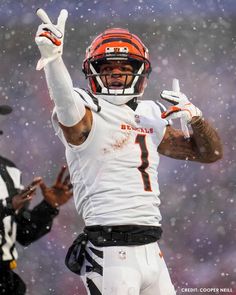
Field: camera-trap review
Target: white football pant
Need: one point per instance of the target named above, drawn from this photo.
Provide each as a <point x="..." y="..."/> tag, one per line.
<point x="126" y="270"/>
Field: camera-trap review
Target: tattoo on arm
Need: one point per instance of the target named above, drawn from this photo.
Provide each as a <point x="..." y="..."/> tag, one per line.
<point x="174" y="145"/>
<point x="203" y="145"/>
<point x="207" y="140"/>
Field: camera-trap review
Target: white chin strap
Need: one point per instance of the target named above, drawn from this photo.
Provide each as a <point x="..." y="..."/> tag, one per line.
<point x="117" y="99"/>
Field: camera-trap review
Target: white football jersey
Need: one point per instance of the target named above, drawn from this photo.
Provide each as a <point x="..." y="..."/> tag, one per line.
<point x="114" y="172"/>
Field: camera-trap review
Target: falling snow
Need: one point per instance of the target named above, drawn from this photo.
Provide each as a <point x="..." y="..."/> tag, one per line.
<point x="194" y="41"/>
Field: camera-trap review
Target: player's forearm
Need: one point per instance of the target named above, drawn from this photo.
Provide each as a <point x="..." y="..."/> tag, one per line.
<point x="69" y="106"/>
<point x="207" y="141"/>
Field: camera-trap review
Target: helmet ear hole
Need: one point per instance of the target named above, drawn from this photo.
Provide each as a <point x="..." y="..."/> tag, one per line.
<point x="97" y="64"/>
<point x="136" y="64"/>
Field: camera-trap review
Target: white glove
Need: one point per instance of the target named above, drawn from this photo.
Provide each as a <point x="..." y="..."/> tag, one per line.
<point x="49" y="37"/>
<point x="182" y="108"/>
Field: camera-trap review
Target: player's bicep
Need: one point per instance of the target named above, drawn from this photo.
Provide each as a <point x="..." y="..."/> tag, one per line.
<point x="78" y="133"/>
<point x="174" y="145"/>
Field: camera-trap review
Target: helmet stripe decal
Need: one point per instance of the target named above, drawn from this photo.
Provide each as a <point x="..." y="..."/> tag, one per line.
<point x="118" y="40"/>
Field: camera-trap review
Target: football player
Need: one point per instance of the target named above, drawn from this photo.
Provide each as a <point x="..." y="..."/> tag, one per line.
<point x="115" y="138"/>
<point x="18" y="222"/>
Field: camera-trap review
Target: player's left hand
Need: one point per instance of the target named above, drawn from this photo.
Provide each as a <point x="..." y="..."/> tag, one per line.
<point x="59" y="193"/>
<point x="182" y="108"/>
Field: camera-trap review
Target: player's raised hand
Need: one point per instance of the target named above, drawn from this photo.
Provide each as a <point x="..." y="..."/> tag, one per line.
<point x="49" y="37"/>
<point x="182" y="108"/>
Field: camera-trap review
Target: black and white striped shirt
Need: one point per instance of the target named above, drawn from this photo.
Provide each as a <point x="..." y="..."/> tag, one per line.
<point x="27" y="225"/>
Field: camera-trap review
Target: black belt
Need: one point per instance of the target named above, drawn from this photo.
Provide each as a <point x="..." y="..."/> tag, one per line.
<point x="122" y="235"/>
<point x="105" y="236"/>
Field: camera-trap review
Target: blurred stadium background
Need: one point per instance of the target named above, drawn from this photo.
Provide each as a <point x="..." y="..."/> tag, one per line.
<point x="192" y="40"/>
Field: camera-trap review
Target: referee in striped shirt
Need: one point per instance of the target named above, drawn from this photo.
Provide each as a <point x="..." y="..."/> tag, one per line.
<point x="17" y="222"/>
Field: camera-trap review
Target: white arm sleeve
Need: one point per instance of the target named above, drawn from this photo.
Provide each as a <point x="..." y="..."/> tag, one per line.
<point x="70" y="107"/>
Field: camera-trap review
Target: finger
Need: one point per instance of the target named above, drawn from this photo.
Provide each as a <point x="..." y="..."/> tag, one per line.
<point x="68" y="195"/>
<point x="70" y="186"/>
<point x="170" y="96"/>
<point x="27" y="193"/>
<point x="40" y="41"/>
<point x="43" y="16"/>
<point x="50" y="28"/>
<point x="175" y="85"/>
<point x="50" y="37"/>
<point x="61" y="21"/>
<point x="175" y="115"/>
<point x="66" y="180"/>
<point x="30" y="189"/>
<point x="43" y="186"/>
<point x="60" y="174"/>
<point x="170" y="111"/>
<point x="36" y="181"/>
<point x="27" y="198"/>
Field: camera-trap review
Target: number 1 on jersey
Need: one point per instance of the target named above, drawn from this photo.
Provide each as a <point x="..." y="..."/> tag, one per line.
<point x="141" y="140"/>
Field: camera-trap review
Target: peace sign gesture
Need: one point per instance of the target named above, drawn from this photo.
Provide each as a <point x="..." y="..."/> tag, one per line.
<point x="49" y="37"/>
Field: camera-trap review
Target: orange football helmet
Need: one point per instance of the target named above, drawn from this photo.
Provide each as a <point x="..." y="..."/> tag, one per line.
<point x="117" y="45"/>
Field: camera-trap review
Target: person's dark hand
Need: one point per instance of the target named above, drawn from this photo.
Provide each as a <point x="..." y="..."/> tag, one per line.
<point x="26" y="195"/>
<point x="59" y="193"/>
